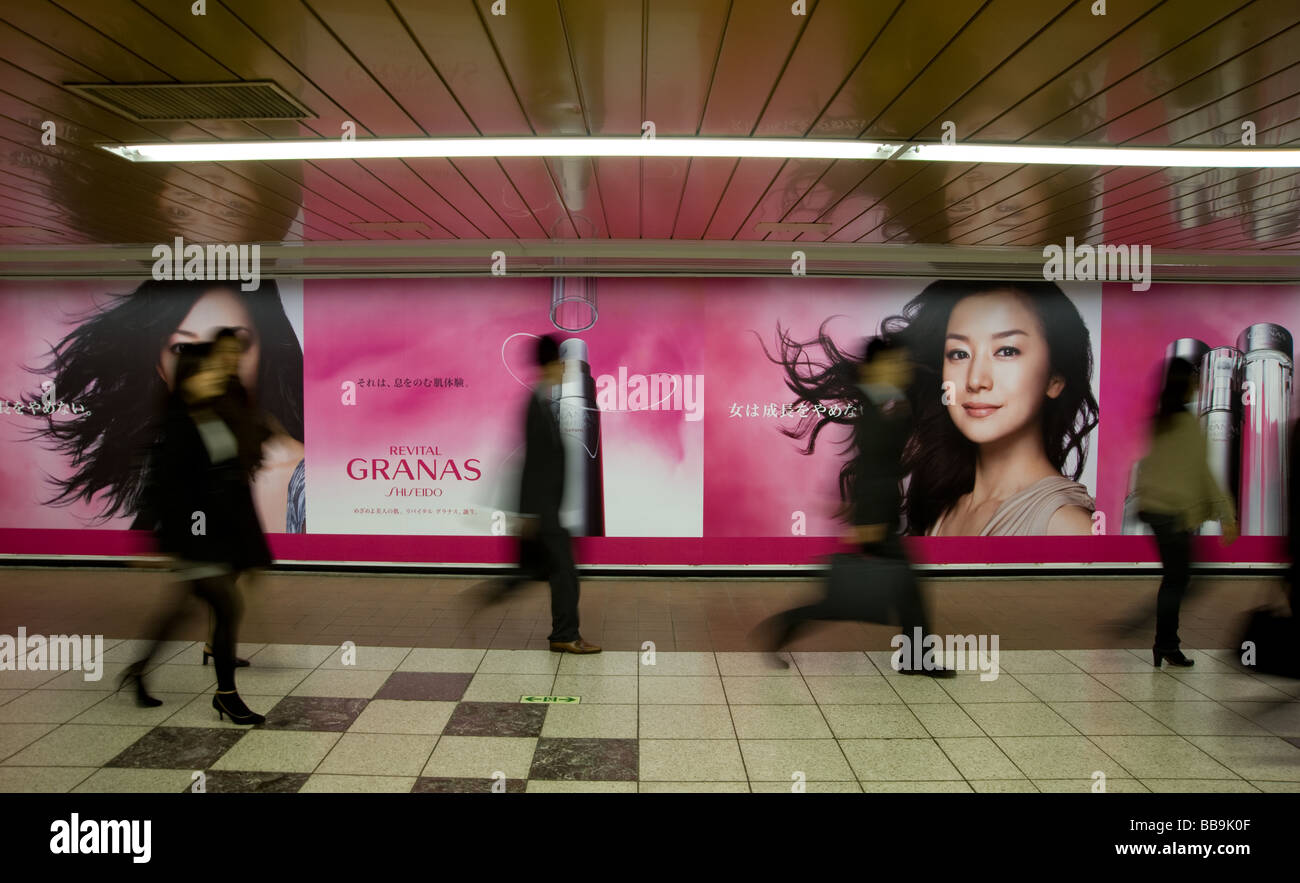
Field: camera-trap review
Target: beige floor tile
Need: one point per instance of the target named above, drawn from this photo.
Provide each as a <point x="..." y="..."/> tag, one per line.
<point x="1162" y="757"/>
<point x="755" y="665"/>
<point x="1150" y="686"/>
<point x="364" y="658"/>
<point x="755" y="690"/>
<point x="481" y="757"/>
<point x="898" y="760"/>
<point x="1231" y="687"/>
<point x="947" y="719"/>
<point x="121" y="708"/>
<point x="1280" y="719"/>
<point x="681" y="664"/>
<point x="1266" y="758"/>
<point x="292" y="656"/>
<point x="45" y="780"/>
<point x="1201" y="719"/>
<point x="15" y="737"/>
<point x="831" y="663"/>
<point x="198" y="712"/>
<point x="685" y="722"/>
<point x="507" y="687"/>
<point x="779" y="722"/>
<point x="344" y="684"/>
<point x="1004" y="786"/>
<point x="598" y="689"/>
<point x="520" y="662"/>
<point x="1018" y="662"/>
<point x="693" y="787"/>
<point x="978" y="757"/>
<point x="969" y="689"/>
<point x="682" y="690"/>
<point x="811" y="786"/>
<point x="929" y="787"/>
<point x="699" y="760"/>
<point x="1110" y="719"/>
<point x="1059" y="757"/>
<point x="373" y="754"/>
<point x="404" y="718"/>
<point x="77" y="745"/>
<point x="873" y="722"/>
<point x="1199" y="786"/>
<point x="595" y="721"/>
<point x="1068" y="688"/>
<point x="851" y="690"/>
<point x="1018" y="719"/>
<point x="781" y="760"/>
<point x="450" y="661"/>
<point x="124" y="781"/>
<point x="1087" y="786"/>
<point x="607" y="662"/>
<point x="277" y="751"/>
<point x="54" y="706"/>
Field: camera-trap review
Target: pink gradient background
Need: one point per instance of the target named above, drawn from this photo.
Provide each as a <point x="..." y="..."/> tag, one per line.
<point x="1137" y="326"/>
<point x="35" y="316"/>
<point x="652" y="460"/>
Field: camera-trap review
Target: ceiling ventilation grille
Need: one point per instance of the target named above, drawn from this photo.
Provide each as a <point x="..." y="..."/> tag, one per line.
<point x="183" y="102"/>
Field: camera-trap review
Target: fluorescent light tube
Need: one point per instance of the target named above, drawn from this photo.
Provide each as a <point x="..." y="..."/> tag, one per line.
<point x="757" y="148"/>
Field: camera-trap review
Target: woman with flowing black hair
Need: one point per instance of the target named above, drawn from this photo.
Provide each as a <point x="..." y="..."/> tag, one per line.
<point x="1002" y="400"/>
<point x="119" y="363"/>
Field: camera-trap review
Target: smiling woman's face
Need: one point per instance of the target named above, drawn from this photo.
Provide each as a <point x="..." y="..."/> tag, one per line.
<point x="997" y="359"/>
<point x="219" y="308"/>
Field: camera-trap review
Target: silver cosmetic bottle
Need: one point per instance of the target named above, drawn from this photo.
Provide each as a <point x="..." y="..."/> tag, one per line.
<point x="583" y="509"/>
<point x="1266" y="405"/>
<point x="1190" y="350"/>
<point x="1220" y="418"/>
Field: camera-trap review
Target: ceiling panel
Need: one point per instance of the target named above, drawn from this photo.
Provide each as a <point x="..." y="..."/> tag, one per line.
<point x="1148" y="72"/>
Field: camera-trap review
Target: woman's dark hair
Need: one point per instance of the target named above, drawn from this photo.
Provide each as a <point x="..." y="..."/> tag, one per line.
<point x="1179" y="374"/>
<point x="108" y="365"/>
<point x="939" y="459"/>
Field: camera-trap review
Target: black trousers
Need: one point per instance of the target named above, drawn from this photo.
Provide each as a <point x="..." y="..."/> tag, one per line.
<point x="1175" y="547"/>
<point x="910" y="611"/>
<point x="548" y="557"/>
<point x="222" y="598"/>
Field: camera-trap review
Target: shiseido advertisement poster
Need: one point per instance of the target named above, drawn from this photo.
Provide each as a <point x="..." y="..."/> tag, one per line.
<point x="417" y="392"/>
<point x="994" y="348"/>
<point x="1247" y="394"/>
<point x="85" y="367"/>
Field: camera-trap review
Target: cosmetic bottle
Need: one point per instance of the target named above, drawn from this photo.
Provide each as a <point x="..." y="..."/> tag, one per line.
<point x="1220" y="413"/>
<point x="583" y="510"/>
<point x="1265" y="392"/>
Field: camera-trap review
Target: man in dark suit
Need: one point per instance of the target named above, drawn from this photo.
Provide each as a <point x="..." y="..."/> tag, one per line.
<point x="874" y="502"/>
<point x="545" y="548"/>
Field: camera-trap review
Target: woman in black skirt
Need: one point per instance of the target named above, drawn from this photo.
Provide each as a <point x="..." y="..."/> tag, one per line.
<point x="198" y="489"/>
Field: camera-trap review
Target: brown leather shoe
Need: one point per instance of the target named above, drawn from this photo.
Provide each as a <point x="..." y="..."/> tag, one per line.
<point x="578" y="646"/>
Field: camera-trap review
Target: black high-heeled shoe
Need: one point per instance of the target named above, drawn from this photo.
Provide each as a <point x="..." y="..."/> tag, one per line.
<point x="142" y="697"/>
<point x="227" y="702"/>
<point x="1173" y="657"/>
<point x="208" y="654"/>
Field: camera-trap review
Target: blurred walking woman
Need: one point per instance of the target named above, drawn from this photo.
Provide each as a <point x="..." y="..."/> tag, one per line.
<point x="198" y="486"/>
<point x="1176" y="494"/>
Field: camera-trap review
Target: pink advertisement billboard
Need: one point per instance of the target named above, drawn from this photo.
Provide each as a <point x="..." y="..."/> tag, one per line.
<point x="705" y="419"/>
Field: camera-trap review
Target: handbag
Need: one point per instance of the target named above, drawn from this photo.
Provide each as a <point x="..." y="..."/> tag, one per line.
<point x="866" y="589"/>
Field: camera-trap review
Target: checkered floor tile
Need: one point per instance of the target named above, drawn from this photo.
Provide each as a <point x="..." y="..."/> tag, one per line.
<point x="430" y="720"/>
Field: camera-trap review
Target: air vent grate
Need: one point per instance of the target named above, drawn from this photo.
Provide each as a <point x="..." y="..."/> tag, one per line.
<point x="183" y="102"/>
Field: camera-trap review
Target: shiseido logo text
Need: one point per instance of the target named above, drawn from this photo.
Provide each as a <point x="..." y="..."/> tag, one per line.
<point x="414" y="463"/>
<point x="651" y="392"/>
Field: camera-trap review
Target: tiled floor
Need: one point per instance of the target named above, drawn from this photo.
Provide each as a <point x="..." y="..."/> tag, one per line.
<point x="426" y="719"/>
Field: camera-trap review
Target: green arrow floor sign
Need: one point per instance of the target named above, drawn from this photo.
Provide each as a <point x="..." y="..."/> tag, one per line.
<point x="557" y="700"/>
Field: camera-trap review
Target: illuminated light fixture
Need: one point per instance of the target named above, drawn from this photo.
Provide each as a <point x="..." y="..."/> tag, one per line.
<point x="746" y="148"/>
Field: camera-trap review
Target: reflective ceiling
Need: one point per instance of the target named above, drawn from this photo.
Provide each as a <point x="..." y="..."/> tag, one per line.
<point x="1146" y="73"/>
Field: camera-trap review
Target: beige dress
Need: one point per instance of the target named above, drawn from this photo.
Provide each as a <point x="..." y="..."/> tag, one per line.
<point x="1027" y="513"/>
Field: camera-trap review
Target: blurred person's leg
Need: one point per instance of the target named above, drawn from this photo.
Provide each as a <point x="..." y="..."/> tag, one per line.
<point x="165" y="624"/>
<point x="1175" y="548"/>
<point x="220" y="592"/>
<point x="563" y="577"/>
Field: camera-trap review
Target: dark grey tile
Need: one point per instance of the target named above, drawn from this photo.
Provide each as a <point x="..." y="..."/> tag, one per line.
<point x="242" y="782"/>
<point x="590" y="760"/>
<point x="321" y="713"/>
<point x="496" y="719"/>
<point x="431" y="785"/>
<point x="177" y="748"/>
<point x="428" y="686"/>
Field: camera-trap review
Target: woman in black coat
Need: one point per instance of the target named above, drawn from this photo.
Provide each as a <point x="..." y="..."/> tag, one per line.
<point x="198" y="492"/>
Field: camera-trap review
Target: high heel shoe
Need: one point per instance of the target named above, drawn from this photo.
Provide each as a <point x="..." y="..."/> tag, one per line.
<point x="1173" y="657"/>
<point x="142" y="697"/>
<point x="227" y="702"/>
<point x="207" y="654"/>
